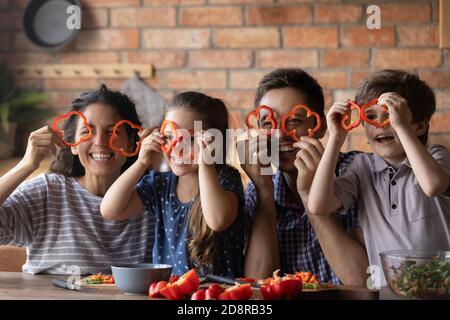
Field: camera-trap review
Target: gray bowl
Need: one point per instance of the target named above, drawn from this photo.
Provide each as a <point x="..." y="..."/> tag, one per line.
<point x="136" y="278"/>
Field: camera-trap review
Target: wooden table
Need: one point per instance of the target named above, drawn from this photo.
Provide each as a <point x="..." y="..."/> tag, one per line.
<point x="22" y="286"/>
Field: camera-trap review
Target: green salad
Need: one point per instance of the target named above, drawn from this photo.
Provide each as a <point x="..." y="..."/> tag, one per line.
<point x="430" y="280"/>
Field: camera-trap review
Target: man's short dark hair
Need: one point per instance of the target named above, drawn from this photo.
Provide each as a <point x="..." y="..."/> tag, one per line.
<point x="297" y="79"/>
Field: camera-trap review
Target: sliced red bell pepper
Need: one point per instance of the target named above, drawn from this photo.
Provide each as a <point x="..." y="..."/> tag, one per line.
<point x="167" y="123"/>
<point x="66" y="116"/>
<point x="200" y="294"/>
<point x="375" y="123"/>
<point x="256" y="113"/>
<point x="213" y="291"/>
<point x="114" y="136"/>
<point x="351" y="125"/>
<point x="276" y="288"/>
<point x="155" y="288"/>
<point x="237" y="292"/>
<point x="292" y="114"/>
<point x="185" y="285"/>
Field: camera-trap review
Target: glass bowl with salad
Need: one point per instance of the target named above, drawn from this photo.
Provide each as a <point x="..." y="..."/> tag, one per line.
<point x="418" y="274"/>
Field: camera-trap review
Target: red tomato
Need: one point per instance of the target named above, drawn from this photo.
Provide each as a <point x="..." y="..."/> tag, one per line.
<point x="199" y="295"/>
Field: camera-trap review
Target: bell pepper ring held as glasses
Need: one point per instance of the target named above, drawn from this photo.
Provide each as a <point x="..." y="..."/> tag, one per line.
<point x="114" y="136"/>
<point x="347" y="124"/>
<point x="292" y="114"/>
<point x="375" y="123"/>
<point x="257" y="114"/>
<point x="66" y="117"/>
<point x="167" y="123"/>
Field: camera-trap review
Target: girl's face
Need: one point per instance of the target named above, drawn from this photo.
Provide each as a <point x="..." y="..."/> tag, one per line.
<point x="184" y="119"/>
<point x="95" y="155"/>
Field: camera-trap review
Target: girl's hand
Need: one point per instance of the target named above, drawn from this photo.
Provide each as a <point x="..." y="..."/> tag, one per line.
<point x="205" y="153"/>
<point x="307" y="160"/>
<point x="151" y="143"/>
<point x="334" y="118"/>
<point x="399" y="112"/>
<point x="41" y="143"/>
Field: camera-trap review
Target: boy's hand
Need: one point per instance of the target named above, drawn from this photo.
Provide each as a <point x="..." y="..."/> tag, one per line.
<point x="307" y="161"/>
<point x="334" y="118"/>
<point x="152" y="140"/>
<point x="399" y="112"/>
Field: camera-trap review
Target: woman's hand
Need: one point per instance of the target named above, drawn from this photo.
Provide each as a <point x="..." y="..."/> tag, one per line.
<point x="41" y="143"/>
<point x="151" y="143"/>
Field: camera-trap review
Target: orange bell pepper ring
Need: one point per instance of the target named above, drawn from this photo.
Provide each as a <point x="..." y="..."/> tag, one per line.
<point x="291" y="114"/>
<point x="375" y="123"/>
<point x="114" y="136"/>
<point x="167" y="123"/>
<point x="66" y="116"/>
<point x="256" y="113"/>
<point x="351" y="125"/>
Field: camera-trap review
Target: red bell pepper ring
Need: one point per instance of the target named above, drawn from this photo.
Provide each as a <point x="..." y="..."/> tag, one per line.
<point x="114" y="136"/>
<point x="256" y="113"/>
<point x="155" y="288"/>
<point x="174" y="127"/>
<point x="237" y="292"/>
<point x="67" y="116"/>
<point x="351" y="125"/>
<point x="374" y="122"/>
<point x="291" y="114"/>
<point x="185" y="285"/>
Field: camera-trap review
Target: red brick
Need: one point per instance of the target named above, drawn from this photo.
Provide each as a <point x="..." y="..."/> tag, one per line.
<point x="342" y="95"/>
<point x="95" y="18"/>
<point x="241" y="100"/>
<point x="196" y="79"/>
<point x="176" y="38"/>
<point x="22" y="43"/>
<point x="173" y="2"/>
<point x="331" y="13"/>
<point x="160" y="59"/>
<point x="408" y="58"/>
<point x="20" y="4"/>
<point x="61" y="100"/>
<point x="287" y="58"/>
<point x="5" y="4"/>
<point x="278" y="15"/>
<point x="436" y="78"/>
<point x="343" y="58"/>
<point x="357" y="76"/>
<point x="239" y="1"/>
<point x="310" y="37"/>
<point x="211" y="16"/>
<point x="103" y="39"/>
<point x="117" y="84"/>
<point x="5" y="40"/>
<point x="89" y="57"/>
<point x="245" y="79"/>
<point x="439" y="122"/>
<point x="109" y="3"/>
<point x="221" y="59"/>
<point x="330" y="79"/>
<point x="362" y="37"/>
<point x="247" y="38"/>
<point x="405" y="12"/>
<point x="442" y="139"/>
<point x="442" y="99"/>
<point x="25" y="58"/>
<point x="411" y="36"/>
<point x="70" y="84"/>
<point x="143" y="17"/>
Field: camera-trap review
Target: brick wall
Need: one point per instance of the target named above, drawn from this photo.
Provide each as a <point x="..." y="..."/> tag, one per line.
<point x="224" y="47"/>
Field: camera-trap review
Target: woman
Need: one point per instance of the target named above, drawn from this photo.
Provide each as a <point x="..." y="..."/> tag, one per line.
<point x="57" y="215"/>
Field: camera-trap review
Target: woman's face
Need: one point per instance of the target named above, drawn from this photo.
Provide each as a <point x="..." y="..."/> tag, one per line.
<point x="184" y="119"/>
<point x="95" y="154"/>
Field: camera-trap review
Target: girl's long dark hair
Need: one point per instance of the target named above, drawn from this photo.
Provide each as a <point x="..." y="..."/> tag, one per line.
<point x="68" y="164"/>
<point x="202" y="240"/>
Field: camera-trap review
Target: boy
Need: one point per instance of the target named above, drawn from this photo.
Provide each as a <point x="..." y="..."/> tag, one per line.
<point x="402" y="189"/>
<point x="283" y="235"/>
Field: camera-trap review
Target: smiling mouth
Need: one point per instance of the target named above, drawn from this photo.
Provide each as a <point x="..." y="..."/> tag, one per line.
<point x="381" y="138"/>
<point x="102" y="157"/>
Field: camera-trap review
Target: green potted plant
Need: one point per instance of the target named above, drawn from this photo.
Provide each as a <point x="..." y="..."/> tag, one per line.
<point x="19" y="113"/>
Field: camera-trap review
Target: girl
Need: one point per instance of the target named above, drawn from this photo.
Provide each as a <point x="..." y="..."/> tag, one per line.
<point x="199" y="207"/>
<point x="57" y="215"/>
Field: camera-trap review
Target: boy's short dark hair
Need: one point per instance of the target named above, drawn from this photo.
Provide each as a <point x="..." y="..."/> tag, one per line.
<point x="418" y="94"/>
<point x="297" y="79"/>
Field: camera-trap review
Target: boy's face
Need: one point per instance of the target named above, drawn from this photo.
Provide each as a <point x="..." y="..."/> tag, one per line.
<point x="282" y="101"/>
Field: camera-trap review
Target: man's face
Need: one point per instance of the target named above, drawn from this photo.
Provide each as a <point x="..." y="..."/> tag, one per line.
<point x="282" y="101"/>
